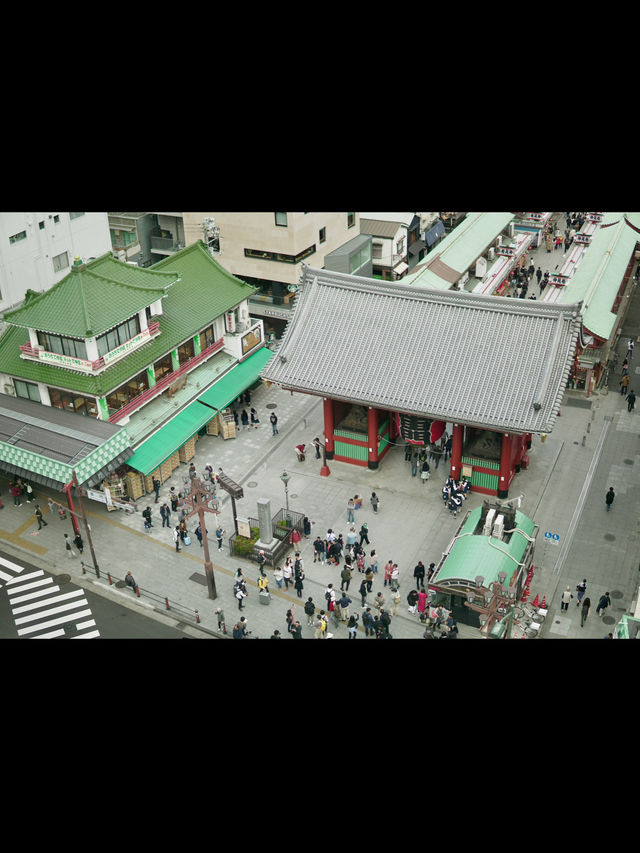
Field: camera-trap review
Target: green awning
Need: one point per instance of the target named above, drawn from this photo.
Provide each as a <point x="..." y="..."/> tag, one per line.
<point x="173" y="435"/>
<point x="237" y="380"/>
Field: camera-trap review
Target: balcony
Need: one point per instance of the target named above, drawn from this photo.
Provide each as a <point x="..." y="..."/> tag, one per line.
<point x="166" y="383"/>
<point x="165" y="245"/>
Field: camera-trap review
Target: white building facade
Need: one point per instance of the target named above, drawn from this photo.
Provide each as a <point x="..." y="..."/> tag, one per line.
<point x="38" y="249"/>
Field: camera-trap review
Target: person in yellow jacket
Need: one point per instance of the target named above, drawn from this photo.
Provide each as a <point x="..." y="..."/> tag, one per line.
<point x="263" y="581"/>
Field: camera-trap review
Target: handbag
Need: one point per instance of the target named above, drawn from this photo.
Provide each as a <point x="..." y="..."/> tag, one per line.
<point x="187" y="540"/>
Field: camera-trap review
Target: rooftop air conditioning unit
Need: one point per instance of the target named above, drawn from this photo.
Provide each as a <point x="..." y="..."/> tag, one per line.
<point x="491" y="254"/>
<point x="498" y="527"/>
<point x="489" y="522"/>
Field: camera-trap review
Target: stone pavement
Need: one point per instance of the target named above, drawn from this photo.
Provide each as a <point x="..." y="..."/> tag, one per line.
<point x="593" y="445"/>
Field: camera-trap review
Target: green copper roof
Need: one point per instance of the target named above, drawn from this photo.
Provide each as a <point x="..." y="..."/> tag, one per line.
<point x="204" y="291"/>
<point x="481" y="555"/>
<point x="598" y="276"/>
<point x="459" y="249"/>
<point x="92" y="299"/>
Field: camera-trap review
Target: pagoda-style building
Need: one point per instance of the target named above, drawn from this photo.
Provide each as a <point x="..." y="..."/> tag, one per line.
<point x="394" y="361"/>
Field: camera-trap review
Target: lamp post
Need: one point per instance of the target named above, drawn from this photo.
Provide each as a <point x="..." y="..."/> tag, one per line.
<point x="285" y="479"/>
<point x="497" y="608"/>
<point x="198" y="499"/>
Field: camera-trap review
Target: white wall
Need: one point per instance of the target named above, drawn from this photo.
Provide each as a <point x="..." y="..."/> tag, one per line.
<point x="28" y="263"/>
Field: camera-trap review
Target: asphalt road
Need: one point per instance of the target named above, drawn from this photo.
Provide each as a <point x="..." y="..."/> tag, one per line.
<point x="34" y="604"/>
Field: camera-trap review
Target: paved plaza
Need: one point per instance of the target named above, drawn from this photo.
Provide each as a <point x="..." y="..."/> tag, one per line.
<point x="594" y="445"/>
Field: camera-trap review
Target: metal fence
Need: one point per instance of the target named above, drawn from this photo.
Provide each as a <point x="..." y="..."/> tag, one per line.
<point x="159" y="600"/>
<point x="282" y="526"/>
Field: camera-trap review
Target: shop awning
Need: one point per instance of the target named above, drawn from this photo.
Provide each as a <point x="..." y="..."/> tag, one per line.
<point x="171" y="437"/>
<point x="235" y="381"/>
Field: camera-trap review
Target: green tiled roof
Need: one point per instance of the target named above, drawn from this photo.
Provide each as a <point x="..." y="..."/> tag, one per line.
<point x="92" y="299"/>
<point x="204" y="291"/>
<point x="476" y="555"/>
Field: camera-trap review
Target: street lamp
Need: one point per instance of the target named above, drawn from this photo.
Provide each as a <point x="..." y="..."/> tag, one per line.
<point x="198" y="499"/>
<point x="285" y="479"/>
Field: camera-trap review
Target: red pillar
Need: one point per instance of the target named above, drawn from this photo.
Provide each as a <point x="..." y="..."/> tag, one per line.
<point x="504" y="478"/>
<point x="456" y="451"/>
<point x="373" y="438"/>
<point x="328" y="427"/>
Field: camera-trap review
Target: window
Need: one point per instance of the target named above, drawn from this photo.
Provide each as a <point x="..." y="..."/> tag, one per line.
<point x="41" y="225"/>
<point x="351" y="220"/>
<point x="278" y="256"/>
<point x="281" y="219"/>
<point x="400" y="247"/>
<point x="22" y="235"/>
<point x="71" y="402"/>
<point x="28" y="390"/>
<point x="186" y="351"/>
<point x="360" y="258"/>
<point x="163" y="366"/>
<point x="322" y="235"/>
<point x="127" y="392"/>
<point x="56" y="219"/>
<point x="120" y="334"/>
<point x="75" y="215"/>
<point x="63" y="346"/>
<point x="207" y="337"/>
<point x="60" y="262"/>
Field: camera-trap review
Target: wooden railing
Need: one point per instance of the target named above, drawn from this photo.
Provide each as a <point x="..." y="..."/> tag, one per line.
<point x="165" y="382"/>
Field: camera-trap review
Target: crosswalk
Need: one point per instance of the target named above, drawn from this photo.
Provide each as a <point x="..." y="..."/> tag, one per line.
<point x="41" y="610"/>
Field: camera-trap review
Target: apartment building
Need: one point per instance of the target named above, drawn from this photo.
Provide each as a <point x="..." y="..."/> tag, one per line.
<point x="267" y="250"/>
<point x="37" y="249"/>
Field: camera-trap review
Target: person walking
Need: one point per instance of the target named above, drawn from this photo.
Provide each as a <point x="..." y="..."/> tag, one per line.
<point x="255" y="420"/>
<point x="378" y="602"/>
<point x="581" y="588"/>
<point x="274" y="423"/>
<point x="350" y="510"/>
<point x="624" y="385"/>
<point x="287" y="573"/>
<point x="418" y="574"/>
<point x="156" y="488"/>
<point x="319" y="550"/>
<point x="609" y="498"/>
<point x="375" y="501"/>
<point x="363" y="591"/>
<point x="422" y="602"/>
<point x="566" y="599"/>
<point x="364" y="534"/>
<point x="309" y="609"/>
<point x="176" y="537"/>
<point x="244" y="417"/>
<point x="146" y="514"/>
<point x="395" y="601"/>
<point x="368" y="578"/>
<point x="539" y="275"/>
<point x="344" y="602"/>
<point x="320" y="627"/>
<point x="298" y="583"/>
<point x="68" y="545"/>
<point x="631" y="400"/>
<point x="165" y="515"/>
<point x="16" y="491"/>
<point x="584" y="613"/>
<point x="387" y="572"/>
<point x="296" y="631"/>
<point x="240" y="594"/>
<point x="367" y="623"/>
<point x="77" y="541"/>
<point x="38" y="514"/>
<point x="345" y="575"/>
<point x="630" y="346"/>
<point x="352" y="625"/>
<point x="605" y="601"/>
<point x="412" y="600"/>
<point x="198" y="533"/>
<point x="277" y="576"/>
<point x="219" y="535"/>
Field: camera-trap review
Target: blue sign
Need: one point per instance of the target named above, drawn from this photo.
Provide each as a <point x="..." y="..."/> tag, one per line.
<point x="552" y="538"/>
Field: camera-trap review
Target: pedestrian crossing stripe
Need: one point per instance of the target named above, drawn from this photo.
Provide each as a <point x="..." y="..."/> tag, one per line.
<point x="41" y="610"/>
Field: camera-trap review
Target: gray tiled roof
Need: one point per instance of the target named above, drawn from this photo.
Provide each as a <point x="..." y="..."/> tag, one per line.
<point x="461" y="357"/>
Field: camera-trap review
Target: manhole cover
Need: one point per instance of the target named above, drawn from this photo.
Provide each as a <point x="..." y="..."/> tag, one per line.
<point x="615" y="593"/>
<point x="628" y="461"/>
<point x="608" y="620"/>
<point x="609" y="537"/>
<point x="63" y="578"/>
<point x="271" y="406"/>
<point x="252" y="484"/>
